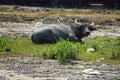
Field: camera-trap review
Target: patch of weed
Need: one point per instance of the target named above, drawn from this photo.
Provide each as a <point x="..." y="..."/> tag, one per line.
<point x="64" y="51"/>
<point x="5" y="9"/>
<point x="5" y="43"/>
<point x="61" y="11"/>
<point x="20" y="15"/>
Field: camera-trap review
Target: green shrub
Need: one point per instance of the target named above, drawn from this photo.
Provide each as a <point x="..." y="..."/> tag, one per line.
<point x="64" y="51"/>
<point x="5" y="43"/>
<point x="49" y="53"/>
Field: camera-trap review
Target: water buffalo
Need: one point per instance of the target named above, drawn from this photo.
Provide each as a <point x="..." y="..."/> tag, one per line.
<point x="51" y="33"/>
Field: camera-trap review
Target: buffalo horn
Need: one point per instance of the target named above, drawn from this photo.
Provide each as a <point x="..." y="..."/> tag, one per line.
<point x="76" y="21"/>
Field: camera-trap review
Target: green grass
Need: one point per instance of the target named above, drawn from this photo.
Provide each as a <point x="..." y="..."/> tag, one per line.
<point x="61" y="11"/>
<point x="64" y="51"/>
<point x="6" y="9"/>
<point x="116" y="12"/>
<point x="25" y="46"/>
<point x="20" y="15"/>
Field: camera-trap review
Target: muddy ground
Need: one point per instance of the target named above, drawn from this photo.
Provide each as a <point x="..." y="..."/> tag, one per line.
<point x="33" y="68"/>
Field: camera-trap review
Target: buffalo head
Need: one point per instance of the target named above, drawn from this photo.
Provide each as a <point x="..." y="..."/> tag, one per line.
<point x="83" y="30"/>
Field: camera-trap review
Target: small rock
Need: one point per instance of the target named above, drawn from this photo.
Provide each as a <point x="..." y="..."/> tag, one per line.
<point x="91" y="72"/>
<point x="101" y="59"/>
<point x="11" y="75"/>
<point x="90" y="50"/>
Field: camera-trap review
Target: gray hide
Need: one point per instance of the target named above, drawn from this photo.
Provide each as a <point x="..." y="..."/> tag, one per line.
<point x="51" y="33"/>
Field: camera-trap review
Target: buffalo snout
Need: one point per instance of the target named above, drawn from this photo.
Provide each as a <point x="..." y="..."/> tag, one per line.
<point x="87" y="33"/>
